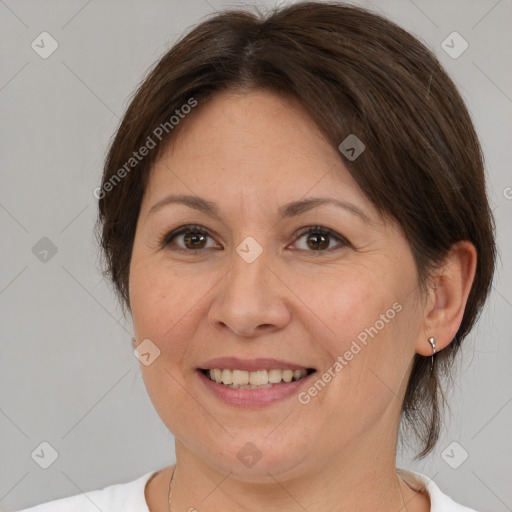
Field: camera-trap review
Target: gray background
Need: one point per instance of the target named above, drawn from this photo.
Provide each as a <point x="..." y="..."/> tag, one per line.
<point x="67" y="374"/>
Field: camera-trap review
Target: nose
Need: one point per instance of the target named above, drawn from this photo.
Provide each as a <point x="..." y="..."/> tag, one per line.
<point x="251" y="299"/>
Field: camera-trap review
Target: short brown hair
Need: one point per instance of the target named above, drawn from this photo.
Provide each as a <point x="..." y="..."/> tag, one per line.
<point x="355" y="72"/>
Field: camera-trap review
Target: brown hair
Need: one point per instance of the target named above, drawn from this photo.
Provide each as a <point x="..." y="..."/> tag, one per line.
<point x="355" y="72"/>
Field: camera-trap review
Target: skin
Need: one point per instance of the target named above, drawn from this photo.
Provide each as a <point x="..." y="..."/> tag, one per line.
<point x="251" y="153"/>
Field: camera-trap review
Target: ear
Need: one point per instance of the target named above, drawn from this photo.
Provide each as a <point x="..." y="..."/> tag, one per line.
<point x="448" y="295"/>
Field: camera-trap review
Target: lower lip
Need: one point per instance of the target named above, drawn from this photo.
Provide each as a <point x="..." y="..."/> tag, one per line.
<point x="253" y="397"/>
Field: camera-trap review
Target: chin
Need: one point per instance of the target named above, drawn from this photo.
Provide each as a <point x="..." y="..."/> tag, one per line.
<point x="254" y="456"/>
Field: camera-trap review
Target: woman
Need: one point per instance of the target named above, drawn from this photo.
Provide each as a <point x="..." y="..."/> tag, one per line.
<point x="293" y="211"/>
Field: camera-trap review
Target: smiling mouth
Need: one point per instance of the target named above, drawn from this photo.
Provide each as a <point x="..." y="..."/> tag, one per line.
<point x="259" y="379"/>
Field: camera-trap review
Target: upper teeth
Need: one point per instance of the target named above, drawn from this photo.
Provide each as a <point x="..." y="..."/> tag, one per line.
<point x="256" y="378"/>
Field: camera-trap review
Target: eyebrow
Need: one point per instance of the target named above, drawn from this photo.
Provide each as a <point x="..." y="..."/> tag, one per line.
<point x="291" y="209"/>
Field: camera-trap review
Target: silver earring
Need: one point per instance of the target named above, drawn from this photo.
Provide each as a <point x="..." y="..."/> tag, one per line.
<point x="432" y="341"/>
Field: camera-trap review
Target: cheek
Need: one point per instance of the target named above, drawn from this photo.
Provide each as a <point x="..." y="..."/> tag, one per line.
<point x="160" y="298"/>
<point x="162" y="304"/>
<point x="168" y="305"/>
<point x="347" y="304"/>
<point x="370" y="320"/>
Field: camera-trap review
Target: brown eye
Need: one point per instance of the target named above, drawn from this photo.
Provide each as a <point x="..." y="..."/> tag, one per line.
<point x="192" y="238"/>
<point x="196" y="240"/>
<point x="319" y="239"/>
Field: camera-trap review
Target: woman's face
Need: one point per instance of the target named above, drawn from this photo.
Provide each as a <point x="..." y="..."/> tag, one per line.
<point x="262" y="286"/>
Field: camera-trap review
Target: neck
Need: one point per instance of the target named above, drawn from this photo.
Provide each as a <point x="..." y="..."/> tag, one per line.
<point x="338" y="485"/>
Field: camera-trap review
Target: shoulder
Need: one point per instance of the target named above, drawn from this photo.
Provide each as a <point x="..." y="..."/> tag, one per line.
<point x="439" y="502"/>
<point x="125" y="497"/>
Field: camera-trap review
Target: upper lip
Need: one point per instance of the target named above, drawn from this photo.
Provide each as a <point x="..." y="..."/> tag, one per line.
<point x="250" y="365"/>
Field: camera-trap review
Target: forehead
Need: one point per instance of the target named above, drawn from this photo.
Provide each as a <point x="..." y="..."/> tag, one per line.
<point x="251" y="147"/>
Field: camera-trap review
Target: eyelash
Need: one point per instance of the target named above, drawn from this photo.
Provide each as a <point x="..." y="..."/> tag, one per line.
<point x="192" y="228"/>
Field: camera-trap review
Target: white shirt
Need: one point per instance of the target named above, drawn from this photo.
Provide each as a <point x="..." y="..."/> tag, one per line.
<point x="129" y="497"/>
